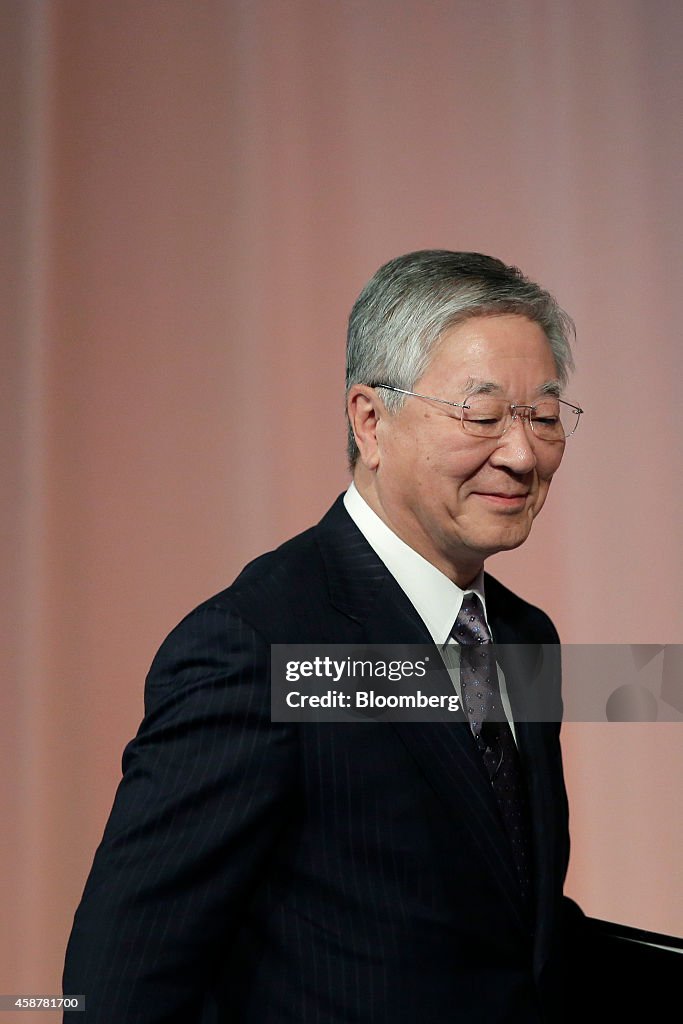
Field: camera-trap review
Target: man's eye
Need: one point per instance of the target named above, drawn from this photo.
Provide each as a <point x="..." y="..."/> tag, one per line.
<point x="550" y="421"/>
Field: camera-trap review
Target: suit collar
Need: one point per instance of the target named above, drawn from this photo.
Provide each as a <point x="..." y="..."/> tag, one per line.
<point x="360" y="585"/>
<point x="498" y="613"/>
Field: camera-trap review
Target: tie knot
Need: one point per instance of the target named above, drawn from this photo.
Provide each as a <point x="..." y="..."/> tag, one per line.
<point x="470" y="626"/>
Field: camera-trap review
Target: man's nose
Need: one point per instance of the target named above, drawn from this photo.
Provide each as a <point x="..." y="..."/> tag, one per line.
<point x="515" y="449"/>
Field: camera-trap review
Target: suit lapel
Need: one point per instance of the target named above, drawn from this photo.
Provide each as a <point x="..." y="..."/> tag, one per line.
<point x="362" y="588"/>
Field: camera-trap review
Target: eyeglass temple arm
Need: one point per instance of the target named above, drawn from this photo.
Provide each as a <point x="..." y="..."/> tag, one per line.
<point x="416" y="394"/>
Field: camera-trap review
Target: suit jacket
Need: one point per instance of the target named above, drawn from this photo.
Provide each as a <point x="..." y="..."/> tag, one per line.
<point x="260" y="872"/>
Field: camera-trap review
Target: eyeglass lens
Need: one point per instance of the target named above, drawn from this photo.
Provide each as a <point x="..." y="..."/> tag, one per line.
<point x="550" y="419"/>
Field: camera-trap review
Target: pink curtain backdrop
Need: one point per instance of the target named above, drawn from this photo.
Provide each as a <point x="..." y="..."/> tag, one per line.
<point x="193" y="193"/>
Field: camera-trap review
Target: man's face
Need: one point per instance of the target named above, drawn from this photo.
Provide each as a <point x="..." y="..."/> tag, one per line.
<point x="454" y="497"/>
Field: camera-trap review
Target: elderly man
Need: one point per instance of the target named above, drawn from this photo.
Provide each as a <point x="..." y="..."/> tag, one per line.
<point x="363" y="871"/>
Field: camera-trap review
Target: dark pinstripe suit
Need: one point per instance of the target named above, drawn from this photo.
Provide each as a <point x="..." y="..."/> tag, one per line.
<point x="317" y="874"/>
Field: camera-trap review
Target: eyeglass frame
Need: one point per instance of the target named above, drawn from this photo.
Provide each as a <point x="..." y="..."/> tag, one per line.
<point x="513" y="407"/>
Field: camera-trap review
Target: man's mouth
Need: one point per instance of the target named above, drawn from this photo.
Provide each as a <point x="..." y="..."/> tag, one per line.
<point x="504" y="499"/>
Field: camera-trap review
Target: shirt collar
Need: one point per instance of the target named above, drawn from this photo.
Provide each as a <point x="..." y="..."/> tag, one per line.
<point x="435" y="597"/>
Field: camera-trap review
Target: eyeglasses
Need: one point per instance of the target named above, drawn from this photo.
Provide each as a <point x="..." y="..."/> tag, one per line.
<point x="550" y="418"/>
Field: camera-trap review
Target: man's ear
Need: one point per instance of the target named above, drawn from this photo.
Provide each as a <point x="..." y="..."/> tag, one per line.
<point x="365" y="409"/>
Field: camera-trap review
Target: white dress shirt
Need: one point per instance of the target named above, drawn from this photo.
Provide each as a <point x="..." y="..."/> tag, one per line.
<point x="435" y="597"/>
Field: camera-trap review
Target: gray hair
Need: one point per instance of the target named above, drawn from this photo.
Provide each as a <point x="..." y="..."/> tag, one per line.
<point x="403" y="311"/>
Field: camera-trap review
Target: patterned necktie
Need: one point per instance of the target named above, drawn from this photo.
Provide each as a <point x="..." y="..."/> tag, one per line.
<point x="482" y="703"/>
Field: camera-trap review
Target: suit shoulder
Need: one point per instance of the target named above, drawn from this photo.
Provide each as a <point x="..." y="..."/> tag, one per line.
<point x="524" y="618"/>
<point x="291" y="576"/>
<point x="237" y="624"/>
<point x="271" y="594"/>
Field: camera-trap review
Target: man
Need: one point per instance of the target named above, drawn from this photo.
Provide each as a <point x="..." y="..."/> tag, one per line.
<point x="260" y="871"/>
